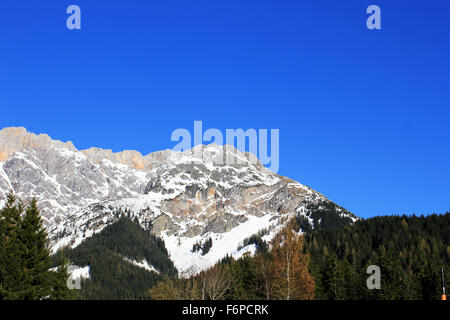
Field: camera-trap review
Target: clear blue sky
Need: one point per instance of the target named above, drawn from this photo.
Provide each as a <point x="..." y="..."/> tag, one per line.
<point x="363" y="115"/>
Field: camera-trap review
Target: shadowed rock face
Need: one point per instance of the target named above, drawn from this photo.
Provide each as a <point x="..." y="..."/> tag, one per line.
<point x="181" y="196"/>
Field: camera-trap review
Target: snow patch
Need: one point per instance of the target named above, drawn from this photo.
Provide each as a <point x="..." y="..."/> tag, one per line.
<point x="81" y="273"/>
<point x="247" y="250"/>
<point x="142" y="264"/>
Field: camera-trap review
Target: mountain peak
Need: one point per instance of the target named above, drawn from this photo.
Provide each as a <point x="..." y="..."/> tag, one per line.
<point x="186" y="197"/>
<point x="13" y="139"/>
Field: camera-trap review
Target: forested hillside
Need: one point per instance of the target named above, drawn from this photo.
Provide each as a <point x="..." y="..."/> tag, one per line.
<point x="127" y="262"/>
<point x="410" y="251"/>
<point x="108" y="254"/>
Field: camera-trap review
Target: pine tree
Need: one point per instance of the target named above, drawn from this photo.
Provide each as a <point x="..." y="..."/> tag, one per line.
<point x="243" y="272"/>
<point x="24" y="258"/>
<point x="329" y="279"/>
<point x="430" y="283"/>
<point x="11" y="271"/>
<point x="36" y="256"/>
<point x="60" y="289"/>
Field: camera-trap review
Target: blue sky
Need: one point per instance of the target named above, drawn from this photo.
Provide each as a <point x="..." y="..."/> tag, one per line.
<point x="363" y="114"/>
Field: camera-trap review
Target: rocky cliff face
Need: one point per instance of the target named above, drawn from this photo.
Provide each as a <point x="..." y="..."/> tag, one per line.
<point x="184" y="197"/>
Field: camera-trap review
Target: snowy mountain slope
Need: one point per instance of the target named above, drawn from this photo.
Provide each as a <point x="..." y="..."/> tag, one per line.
<point x="184" y="197"/>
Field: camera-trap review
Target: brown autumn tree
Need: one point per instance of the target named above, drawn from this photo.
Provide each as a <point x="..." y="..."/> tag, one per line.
<point x="291" y="278"/>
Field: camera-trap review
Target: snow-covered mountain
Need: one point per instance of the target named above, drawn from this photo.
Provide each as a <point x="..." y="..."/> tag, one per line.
<point x="185" y="198"/>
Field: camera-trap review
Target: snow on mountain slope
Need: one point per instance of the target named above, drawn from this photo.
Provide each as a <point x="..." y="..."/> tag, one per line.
<point x="142" y="264"/>
<point x="81" y="273"/>
<point x="186" y="197"/>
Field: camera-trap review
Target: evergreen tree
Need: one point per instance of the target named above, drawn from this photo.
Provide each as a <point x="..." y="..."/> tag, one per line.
<point x="430" y="281"/>
<point x="35" y="256"/>
<point x="24" y="257"/>
<point x="243" y="272"/>
<point x="60" y="289"/>
<point x="11" y="271"/>
<point x="328" y="280"/>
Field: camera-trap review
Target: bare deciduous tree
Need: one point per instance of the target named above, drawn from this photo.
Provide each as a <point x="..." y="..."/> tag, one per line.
<point x="216" y="282"/>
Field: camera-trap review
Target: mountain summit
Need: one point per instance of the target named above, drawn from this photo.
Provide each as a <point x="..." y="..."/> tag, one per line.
<point x="211" y="194"/>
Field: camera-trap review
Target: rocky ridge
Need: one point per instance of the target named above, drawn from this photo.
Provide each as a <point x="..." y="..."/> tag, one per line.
<point x="185" y="198"/>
